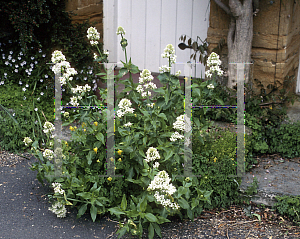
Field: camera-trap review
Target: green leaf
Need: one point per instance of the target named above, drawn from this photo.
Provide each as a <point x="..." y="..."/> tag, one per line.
<point x="190" y="214"/>
<point x="116" y="211"/>
<point x="85" y="195"/>
<point x="142" y="153"/>
<point x="143" y="205"/>
<point x="183" y="203"/>
<point x="196" y="91"/>
<point x="82" y="210"/>
<point x="100" y="137"/>
<point x="122" y="72"/>
<point x="93" y="212"/>
<point x="220" y="101"/>
<point x="181" y="191"/>
<point x="157" y="229"/>
<point x="195" y="203"/>
<point x="121" y="232"/>
<point x="150" y="217"/>
<point x="124" y="203"/>
<point x="89" y="157"/>
<point x="151" y="231"/>
<point x="162" y="220"/>
<point x="145" y="140"/>
<point x="162" y="115"/>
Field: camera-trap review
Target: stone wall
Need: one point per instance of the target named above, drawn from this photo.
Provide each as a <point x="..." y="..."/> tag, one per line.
<point x="82" y="10"/>
<point x="276" y="39"/>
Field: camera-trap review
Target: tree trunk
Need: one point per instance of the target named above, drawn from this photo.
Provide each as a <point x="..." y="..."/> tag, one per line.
<point x="239" y="39"/>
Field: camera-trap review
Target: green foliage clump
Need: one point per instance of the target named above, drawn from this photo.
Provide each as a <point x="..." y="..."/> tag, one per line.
<point x="289" y="206"/>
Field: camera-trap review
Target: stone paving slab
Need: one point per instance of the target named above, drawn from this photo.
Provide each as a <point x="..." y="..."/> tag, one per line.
<point x="276" y="177"/>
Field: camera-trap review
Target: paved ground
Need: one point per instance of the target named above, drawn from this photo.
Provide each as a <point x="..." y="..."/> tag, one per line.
<point x="24" y="210"/>
<point x="275" y="176"/>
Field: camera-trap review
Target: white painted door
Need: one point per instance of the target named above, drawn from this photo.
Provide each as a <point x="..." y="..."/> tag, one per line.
<point x="150" y="25"/>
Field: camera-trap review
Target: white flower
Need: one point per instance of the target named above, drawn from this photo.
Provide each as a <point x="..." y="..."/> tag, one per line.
<point x="178" y="73"/>
<point x="127" y="125"/>
<point x="179" y="124"/>
<point x="124" y="103"/>
<point x="48" y="127"/>
<point x="156" y="165"/>
<point x="161" y="182"/>
<point x="57" y="56"/>
<point x="139" y="89"/>
<point x="95" y="56"/>
<point x="36" y="109"/>
<point x="46" y="76"/>
<point x="165" y="202"/>
<point x="24" y="89"/>
<point x="27" y="85"/>
<point x="48" y="153"/>
<point x="214" y="63"/>
<point x="145" y="76"/>
<point x="57" y="188"/>
<point x="24" y="98"/>
<point x="152" y="154"/>
<point x="74" y="101"/>
<point x="59" y="209"/>
<point x="150" y="85"/>
<point x="169" y="52"/>
<point x="42" y="93"/>
<point x="210" y="86"/>
<point x="16" y="70"/>
<point x="176" y="136"/>
<point x="106" y="52"/>
<point x="150" y="105"/>
<point x="2" y="83"/>
<point x="27" y="141"/>
<point x="120" y="30"/>
<point x="93" y="35"/>
<point x="164" y="69"/>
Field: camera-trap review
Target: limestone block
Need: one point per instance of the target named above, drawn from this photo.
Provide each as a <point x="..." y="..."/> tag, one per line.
<point x="82" y="10"/>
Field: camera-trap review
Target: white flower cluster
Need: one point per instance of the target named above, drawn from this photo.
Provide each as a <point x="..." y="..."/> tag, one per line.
<point x="93" y="35"/>
<point x="79" y="89"/>
<point x="124" y="106"/>
<point x="178" y="73"/>
<point x="128" y="124"/>
<point x="27" y="141"/>
<point x="161" y="184"/>
<point x="120" y="30"/>
<point x="59" y="209"/>
<point x="48" y="127"/>
<point x="214" y="63"/>
<point x="57" y="188"/>
<point x="210" y="86"/>
<point x="152" y="154"/>
<point x="151" y="105"/>
<point x="48" y="153"/>
<point x="62" y="66"/>
<point x="169" y="52"/>
<point x="145" y="78"/>
<point x="57" y="57"/>
<point x="176" y="136"/>
<point x="179" y="124"/>
<point x="164" y="68"/>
